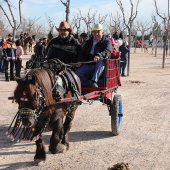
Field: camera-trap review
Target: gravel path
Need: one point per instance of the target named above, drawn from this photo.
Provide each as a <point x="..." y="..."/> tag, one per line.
<point x="144" y="141"/>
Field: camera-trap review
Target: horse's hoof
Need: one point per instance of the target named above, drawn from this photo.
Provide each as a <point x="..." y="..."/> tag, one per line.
<point x="61" y="148"/>
<point x="38" y="162"/>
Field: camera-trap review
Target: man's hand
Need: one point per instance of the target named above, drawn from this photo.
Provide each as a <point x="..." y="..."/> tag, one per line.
<point x="96" y="58"/>
<point x="78" y="64"/>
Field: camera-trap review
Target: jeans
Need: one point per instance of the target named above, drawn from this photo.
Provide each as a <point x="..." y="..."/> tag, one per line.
<point x="123" y="67"/>
<point x="11" y="62"/>
<point x="90" y="72"/>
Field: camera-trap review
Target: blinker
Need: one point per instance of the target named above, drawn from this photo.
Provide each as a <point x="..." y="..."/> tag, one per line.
<point x="29" y="77"/>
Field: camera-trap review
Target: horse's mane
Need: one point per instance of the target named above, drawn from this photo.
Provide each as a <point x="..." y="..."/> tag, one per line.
<point x="42" y="78"/>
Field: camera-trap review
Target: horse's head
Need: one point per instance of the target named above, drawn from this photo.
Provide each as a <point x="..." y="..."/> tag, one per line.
<point x="33" y="96"/>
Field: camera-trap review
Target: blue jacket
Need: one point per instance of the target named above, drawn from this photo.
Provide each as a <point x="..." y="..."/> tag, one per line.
<point x="102" y="49"/>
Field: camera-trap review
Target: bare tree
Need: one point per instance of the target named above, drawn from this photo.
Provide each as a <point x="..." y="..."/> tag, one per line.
<point x="100" y="19"/>
<point x="31" y="22"/>
<point x="13" y="21"/>
<point x="115" y="22"/>
<point x="3" y="29"/>
<point x="143" y="27"/>
<point x="50" y="23"/>
<point x="88" y="19"/>
<point x="76" y="23"/>
<point x="156" y="31"/>
<point x="67" y="5"/>
<point x="129" y="23"/>
<point x="166" y="21"/>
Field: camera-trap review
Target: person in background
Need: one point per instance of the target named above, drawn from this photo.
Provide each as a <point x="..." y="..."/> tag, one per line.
<point x="94" y="50"/>
<point x="2" y="68"/>
<point x="18" y="62"/>
<point x="44" y="44"/>
<point x="22" y="39"/>
<point x="121" y="35"/>
<point x="9" y="51"/>
<point x="39" y="54"/>
<point x="115" y="36"/>
<point x="123" y="58"/>
<point x="151" y="39"/>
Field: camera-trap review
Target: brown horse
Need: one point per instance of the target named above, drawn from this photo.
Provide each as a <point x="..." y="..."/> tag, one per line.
<point x="39" y="96"/>
<point x="26" y="43"/>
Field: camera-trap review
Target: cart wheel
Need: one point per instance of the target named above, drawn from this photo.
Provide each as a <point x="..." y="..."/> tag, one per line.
<point x="116" y="114"/>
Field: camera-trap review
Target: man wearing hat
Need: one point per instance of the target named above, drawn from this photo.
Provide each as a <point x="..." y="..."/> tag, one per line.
<point x="64" y="47"/>
<point x="9" y="50"/>
<point x="94" y="50"/>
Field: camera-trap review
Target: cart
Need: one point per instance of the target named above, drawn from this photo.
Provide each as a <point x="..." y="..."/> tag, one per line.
<point x="105" y="93"/>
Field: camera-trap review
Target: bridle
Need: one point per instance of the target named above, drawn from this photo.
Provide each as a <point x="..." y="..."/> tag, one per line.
<point x="33" y="132"/>
<point x="25" y="112"/>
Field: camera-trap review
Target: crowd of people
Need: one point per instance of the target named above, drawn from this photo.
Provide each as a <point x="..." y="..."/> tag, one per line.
<point x="91" y="51"/>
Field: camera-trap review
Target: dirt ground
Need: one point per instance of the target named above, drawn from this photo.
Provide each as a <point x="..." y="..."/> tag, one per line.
<point x="144" y="141"/>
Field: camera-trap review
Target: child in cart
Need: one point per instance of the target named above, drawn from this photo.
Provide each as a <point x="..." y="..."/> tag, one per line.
<point x="114" y="54"/>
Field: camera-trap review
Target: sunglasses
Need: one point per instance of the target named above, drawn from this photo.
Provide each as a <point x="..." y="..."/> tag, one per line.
<point x="64" y="29"/>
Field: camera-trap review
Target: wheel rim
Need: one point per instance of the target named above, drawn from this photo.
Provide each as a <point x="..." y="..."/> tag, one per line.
<point x="119" y="111"/>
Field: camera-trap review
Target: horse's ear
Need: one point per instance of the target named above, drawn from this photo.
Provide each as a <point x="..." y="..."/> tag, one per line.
<point x="17" y="79"/>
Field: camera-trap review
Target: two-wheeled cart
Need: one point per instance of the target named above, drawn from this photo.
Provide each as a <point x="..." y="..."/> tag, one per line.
<point x="105" y="93"/>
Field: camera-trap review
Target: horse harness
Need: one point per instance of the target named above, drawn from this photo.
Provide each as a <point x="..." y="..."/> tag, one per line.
<point x="63" y="81"/>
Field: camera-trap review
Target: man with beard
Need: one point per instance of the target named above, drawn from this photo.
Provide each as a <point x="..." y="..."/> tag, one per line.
<point x="64" y="47"/>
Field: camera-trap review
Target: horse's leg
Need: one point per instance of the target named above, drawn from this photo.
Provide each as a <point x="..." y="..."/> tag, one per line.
<point x="67" y="125"/>
<point x="56" y="124"/>
<point x="40" y="155"/>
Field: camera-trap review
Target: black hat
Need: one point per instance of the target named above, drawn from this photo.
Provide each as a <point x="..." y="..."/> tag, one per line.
<point x="9" y="35"/>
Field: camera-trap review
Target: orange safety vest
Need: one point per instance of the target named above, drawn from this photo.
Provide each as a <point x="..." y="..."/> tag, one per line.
<point x="6" y="45"/>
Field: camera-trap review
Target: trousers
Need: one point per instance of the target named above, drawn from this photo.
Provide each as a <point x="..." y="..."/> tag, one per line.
<point x="123" y="67"/>
<point x="11" y="62"/>
<point x="90" y="72"/>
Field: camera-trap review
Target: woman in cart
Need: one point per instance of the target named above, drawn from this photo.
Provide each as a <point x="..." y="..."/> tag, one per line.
<point x="94" y="51"/>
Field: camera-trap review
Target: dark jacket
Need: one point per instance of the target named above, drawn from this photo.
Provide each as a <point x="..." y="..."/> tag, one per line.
<point x="66" y="50"/>
<point x="124" y="52"/>
<point x="102" y="49"/>
<point x="115" y="36"/>
<point x="9" y="50"/>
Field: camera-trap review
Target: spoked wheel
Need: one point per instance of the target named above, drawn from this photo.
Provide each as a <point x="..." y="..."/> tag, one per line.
<point x="116" y="114"/>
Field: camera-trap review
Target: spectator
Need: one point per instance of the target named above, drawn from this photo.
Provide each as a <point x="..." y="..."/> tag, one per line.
<point x="22" y="39"/>
<point x="18" y="62"/>
<point x="44" y="48"/>
<point x="123" y="58"/>
<point x="2" y="67"/>
<point x="151" y="39"/>
<point x="9" y="50"/>
<point x="121" y="35"/>
<point x="94" y="50"/>
<point x="39" y="54"/>
<point x="115" y="36"/>
<point x="50" y="36"/>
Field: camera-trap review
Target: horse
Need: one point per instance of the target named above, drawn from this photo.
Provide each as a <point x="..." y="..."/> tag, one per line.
<point x="39" y="97"/>
<point x="26" y="43"/>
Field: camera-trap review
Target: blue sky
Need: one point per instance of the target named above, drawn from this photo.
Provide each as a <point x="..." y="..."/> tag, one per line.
<point x="56" y="10"/>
